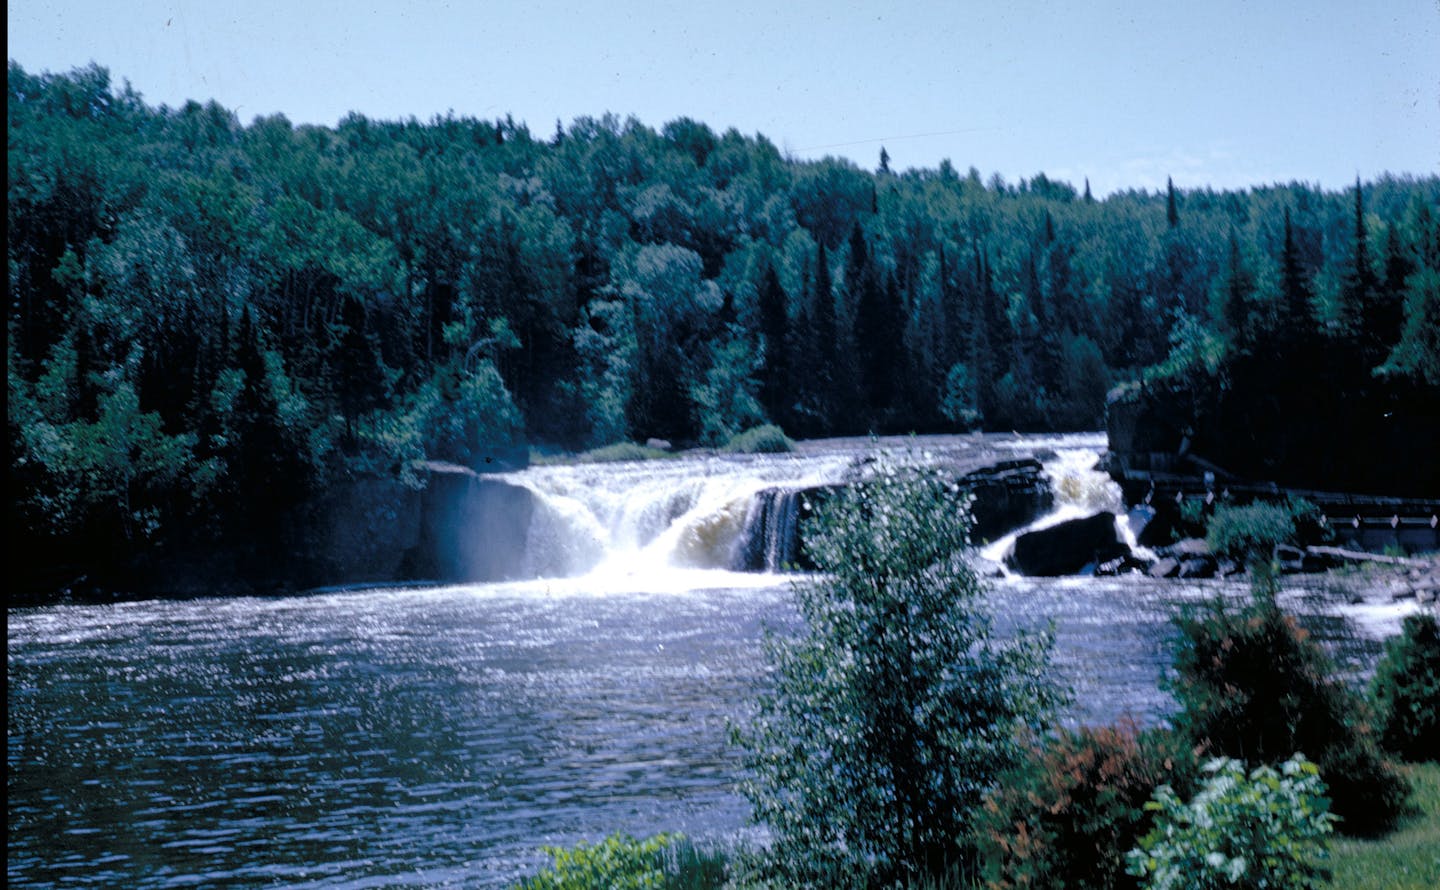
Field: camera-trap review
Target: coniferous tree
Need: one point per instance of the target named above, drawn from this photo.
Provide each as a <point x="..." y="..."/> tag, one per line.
<point x="1295" y="319"/>
<point x="1364" y="312"/>
<point x="358" y="377"/>
<point x="877" y="328"/>
<point x="1239" y="285"/>
<point x="775" y="383"/>
<point x="826" y="333"/>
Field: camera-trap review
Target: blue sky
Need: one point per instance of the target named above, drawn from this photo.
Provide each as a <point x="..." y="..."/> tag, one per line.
<point x="1223" y="93"/>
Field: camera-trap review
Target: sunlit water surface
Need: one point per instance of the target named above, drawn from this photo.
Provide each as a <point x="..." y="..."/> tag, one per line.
<point x="438" y="737"/>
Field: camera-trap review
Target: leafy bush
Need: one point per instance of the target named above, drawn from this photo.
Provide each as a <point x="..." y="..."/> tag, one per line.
<point x="767" y="439"/>
<point x="1067" y="815"/>
<point x="894" y="709"/>
<point x="622" y="451"/>
<point x="1265" y="830"/>
<point x="958" y="400"/>
<point x="1250" y="532"/>
<point x="1252" y="685"/>
<point x="1406" y="690"/>
<point x="620" y="862"/>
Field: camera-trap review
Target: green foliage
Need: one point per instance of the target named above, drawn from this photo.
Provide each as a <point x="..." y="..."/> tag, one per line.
<point x="1195" y="351"/>
<point x="1406" y="690"/>
<point x="622" y="451"/>
<point x="959" y="402"/>
<point x="464" y="417"/>
<point x="765" y="439"/>
<point x="895" y="708"/>
<point x="726" y="399"/>
<point x="606" y="346"/>
<point x="1252" y="685"/>
<point x="109" y="476"/>
<point x="1068" y="814"/>
<point x="620" y="862"/>
<point x="1267" y="829"/>
<point x="304" y="303"/>
<point x="1250" y="532"/>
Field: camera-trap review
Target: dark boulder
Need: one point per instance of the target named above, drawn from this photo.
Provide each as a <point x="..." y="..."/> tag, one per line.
<point x="1068" y="547"/>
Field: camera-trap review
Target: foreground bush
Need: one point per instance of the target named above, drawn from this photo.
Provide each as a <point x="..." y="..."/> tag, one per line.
<point x="1069" y="813"/>
<point x="1406" y="690"/>
<point x="1265" y="830"/>
<point x="620" y="862"/>
<point x="1251" y="685"/>
<point x="894" y="709"/>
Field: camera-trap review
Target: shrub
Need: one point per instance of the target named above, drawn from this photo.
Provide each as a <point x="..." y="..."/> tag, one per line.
<point x="767" y="439"/>
<point x="894" y="709"/>
<point x="1251" y="532"/>
<point x="1265" y="830"/>
<point x="621" y="451"/>
<point x="1251" y="685"/>
<point x="620" y="862"/>
<point x="1407" y="690"/>
<point x="1068" y="814"/>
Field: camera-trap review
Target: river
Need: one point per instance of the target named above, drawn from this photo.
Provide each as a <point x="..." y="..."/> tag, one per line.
<point x="437" y="736"/>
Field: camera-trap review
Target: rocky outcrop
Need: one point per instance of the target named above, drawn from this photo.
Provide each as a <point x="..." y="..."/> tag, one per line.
<point x="472" y="528"/>
<point x="1006" y="496"/>
<point x="1003" y="496"/>
<point x="1068" y="547"/>
<point x="362" y="530"/>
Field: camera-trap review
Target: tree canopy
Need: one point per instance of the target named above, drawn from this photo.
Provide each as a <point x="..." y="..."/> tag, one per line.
<point x="321" y="302"/>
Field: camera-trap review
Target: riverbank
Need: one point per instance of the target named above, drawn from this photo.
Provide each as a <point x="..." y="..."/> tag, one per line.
<point x="1406" y="859"/>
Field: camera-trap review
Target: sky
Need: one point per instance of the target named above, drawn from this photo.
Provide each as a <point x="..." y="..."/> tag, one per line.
<point x="1219" y="93"/>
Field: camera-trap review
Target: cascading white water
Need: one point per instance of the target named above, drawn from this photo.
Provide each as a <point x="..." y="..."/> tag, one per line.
<point x="661" y="515"/>
<point x="739" y="512"/>
<point x="1081" y="489"/>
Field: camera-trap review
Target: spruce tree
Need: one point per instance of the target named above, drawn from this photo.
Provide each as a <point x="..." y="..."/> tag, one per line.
<point x="1295" y="317"/>
<point x="826" y="334"/>
<point x="1238" y="286"/>
<point x="775" y="329"/>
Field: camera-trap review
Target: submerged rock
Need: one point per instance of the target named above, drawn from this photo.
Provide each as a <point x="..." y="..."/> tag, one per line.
<point x="1166" y="567"/>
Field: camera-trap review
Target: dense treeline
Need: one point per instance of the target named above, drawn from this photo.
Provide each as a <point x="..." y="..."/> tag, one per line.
<point x="210" y="322"/>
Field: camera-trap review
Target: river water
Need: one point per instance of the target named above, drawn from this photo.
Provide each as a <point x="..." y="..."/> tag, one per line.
<point x="438" y="736"/>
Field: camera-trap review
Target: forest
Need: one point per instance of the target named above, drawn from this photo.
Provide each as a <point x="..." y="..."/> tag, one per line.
<point x="211" y="323"/>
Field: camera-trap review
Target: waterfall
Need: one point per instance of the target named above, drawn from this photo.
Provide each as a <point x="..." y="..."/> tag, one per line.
<point x="741" y="512"/>
<point x="771" y="531"/>
<point x="1081" y="489"/>
<point x="736" y="514"/>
